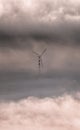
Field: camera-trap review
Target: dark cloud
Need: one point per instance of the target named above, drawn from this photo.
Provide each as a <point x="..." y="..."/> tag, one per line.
<point x="66" y="33"/>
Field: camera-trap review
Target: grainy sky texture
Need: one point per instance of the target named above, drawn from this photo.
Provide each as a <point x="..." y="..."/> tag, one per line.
<point x="50" y="101"/>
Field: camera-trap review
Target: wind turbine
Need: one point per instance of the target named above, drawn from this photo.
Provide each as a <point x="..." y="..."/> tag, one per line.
<point x="40" y="59"/>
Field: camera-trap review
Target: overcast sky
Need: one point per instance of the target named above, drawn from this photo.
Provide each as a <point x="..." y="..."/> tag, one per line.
<point x="33" y="25"/>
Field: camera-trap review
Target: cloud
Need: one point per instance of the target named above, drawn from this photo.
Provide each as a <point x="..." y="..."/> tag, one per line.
<point x="55" y="22"/>
<point x="61" y="113"/>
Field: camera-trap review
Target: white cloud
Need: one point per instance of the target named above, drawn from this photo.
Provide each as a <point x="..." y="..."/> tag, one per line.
<point x="62" y="113"/>
<point x="39" y="9"/>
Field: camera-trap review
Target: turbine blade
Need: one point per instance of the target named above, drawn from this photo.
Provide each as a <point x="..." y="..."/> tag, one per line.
<point x="43" y="52"/>
<point x="35" y="53"/>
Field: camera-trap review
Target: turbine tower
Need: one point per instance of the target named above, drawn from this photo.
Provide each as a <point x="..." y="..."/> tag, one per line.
<point x="40" y="59"/>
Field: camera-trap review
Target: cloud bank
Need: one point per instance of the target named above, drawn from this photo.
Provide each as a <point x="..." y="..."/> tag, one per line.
<point x="50" y="113"/>
<point x="48" y="21"/>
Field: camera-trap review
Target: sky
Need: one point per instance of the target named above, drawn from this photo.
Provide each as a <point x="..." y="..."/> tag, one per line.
<point x="33" y="25"/>
<point x="50" y="100"/>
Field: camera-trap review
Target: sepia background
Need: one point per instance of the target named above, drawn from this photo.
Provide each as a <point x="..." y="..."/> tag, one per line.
<point x="49" y="100"/>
